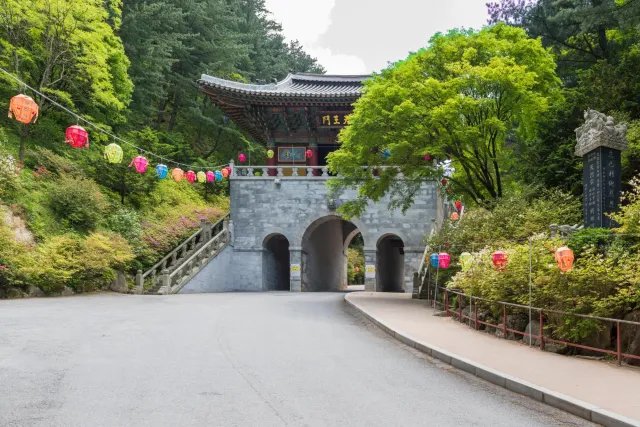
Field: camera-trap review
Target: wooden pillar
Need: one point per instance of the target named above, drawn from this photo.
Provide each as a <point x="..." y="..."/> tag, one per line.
<point x="272" y="162"/>
<point x="313" y="161"/>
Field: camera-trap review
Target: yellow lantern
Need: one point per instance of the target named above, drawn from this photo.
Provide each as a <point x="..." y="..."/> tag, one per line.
<point x="202" y="177"/>
<point x="113" y="153"/>
<point x="24" y="109"/>
<point x="466" y="259"/>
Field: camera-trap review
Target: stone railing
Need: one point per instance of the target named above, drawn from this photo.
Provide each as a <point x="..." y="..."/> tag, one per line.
<point x="293" y="172"/>
<point x="150" y="281"/>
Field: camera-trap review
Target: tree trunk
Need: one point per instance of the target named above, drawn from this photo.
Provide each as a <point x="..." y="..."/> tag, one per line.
<point x="23" y="142"/>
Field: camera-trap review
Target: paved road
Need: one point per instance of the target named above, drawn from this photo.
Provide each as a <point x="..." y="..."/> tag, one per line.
<point x="276" y="359"/>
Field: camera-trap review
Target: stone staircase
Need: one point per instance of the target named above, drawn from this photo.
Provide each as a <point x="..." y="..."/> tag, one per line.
<point x="173" y="271"/>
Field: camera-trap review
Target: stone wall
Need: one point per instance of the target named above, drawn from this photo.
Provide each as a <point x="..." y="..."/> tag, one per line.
<point x="297" y="208"/>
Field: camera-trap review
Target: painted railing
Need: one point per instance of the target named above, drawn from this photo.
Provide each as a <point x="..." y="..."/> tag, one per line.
<point x="541" y="314"/>
<point x="150" y="281"/>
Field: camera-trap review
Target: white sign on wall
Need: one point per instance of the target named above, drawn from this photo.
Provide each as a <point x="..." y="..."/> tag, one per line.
<point x="370" y="271"/>
<point x="295" y="270"/>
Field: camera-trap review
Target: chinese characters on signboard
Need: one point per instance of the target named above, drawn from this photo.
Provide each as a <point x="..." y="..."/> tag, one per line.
<point x="602" y="177"/>
<point x="333" y="119"/>
<point x="291" y="154"/>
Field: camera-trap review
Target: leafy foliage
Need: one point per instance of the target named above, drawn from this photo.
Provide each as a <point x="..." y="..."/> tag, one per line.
<point x="467" y="95"/>
<point x="77" y="202"/>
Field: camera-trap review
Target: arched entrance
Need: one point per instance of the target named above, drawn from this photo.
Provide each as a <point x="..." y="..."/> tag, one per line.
<point x="275" y="263"/>
<point x="324" y="254"/>
<point x="390" y="264"/>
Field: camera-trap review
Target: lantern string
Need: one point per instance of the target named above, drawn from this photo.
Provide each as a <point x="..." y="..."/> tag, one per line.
<point x="104" y="131"/>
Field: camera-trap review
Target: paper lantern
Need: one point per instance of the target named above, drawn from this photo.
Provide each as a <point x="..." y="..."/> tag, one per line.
<point x="242" y="158"/>
<point x="202" y="177"/>
<point x="210" y="176"/>
<point x="386" y="154"/>
<point x="177" y="174"/>
<point x="434" y="260"/>
<point x="455" y="216"/>
<point x="357" y="268"/>
<point x="466" y="259"/>
<point x="162" y="171"/>
<point x="427" y="157"/>
<point x="270" y="154"/>
<point x="140" y="163"/>
<point x="458" y="205"/>
<point x="225" y="172"/>
<point x="113" y="153"/>
<point x="77" y="137"/>
<point x="191" y="176"/>
<point x="309" y="154"/>
<point x="444" y="259"/>
<point x="218" y="176"/>
<point x="500" y="260"/>
<point x="444" y="181"/>
<point x="23" y="108"/>
<point x="564" y="258"/>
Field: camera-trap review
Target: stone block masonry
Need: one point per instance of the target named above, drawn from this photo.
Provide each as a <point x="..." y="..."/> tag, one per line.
<point x="298" y="209"/>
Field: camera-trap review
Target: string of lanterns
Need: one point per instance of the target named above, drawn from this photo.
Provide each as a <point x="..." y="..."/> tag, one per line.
<point x="25" y="110"/>
<point x="564" y="258"/>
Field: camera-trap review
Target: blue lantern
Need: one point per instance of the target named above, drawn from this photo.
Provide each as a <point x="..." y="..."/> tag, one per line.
<point x="218" y="175"/>
<point x="435" y="260"/>
<point x="386" y="154"/>
<point x="162" y="171"/>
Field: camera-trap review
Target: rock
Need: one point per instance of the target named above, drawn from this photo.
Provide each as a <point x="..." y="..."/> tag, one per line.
<point x="15" y="293"/>
<point x="630" y="337"/>
<point x="598" y="339"/>
<point x="35" y="292"/>
<point x="483" y="316"/>
<point x="516" y="322"/>
<point x="119" y="284"/>
<point x="532" y="328"/>
<point x="67" y="291"/>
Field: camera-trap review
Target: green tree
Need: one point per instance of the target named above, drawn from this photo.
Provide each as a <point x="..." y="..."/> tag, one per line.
<point x="469" y="95"/>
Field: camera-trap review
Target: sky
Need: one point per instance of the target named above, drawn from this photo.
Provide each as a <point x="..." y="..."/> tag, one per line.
<point x="363" y="36"/>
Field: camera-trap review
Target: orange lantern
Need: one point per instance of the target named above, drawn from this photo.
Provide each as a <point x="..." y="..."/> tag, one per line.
<point x="357" y="269"/>
<point x="225" y="172"/>
<point x="500" y="260"/>
<point x="77" y="137"/>
<point x="564" y="258"/>
<point x="455" y="216"/>
<point x="177" y="174"/>
<point x="24" y="109"/>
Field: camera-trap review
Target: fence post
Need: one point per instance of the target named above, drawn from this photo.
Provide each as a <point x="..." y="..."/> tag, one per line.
<point x="166" y="281"/>
<point x="446" y="302"/>
<point x="504" y="321"/>
<point x="476" y="315"/>
<point x="460" y="308"/>
<point x="619" y="344"/>
<point x="139" y="282"/>
<point x="541" y="332"/>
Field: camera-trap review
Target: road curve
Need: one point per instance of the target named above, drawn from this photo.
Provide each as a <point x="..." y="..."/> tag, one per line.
<point x="271" y="359"/>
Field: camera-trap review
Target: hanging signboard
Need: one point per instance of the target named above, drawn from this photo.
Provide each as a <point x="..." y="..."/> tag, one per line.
<point x="295" y="270"/>
<point x="370" y="272"/>
<point x="333" y="119"/>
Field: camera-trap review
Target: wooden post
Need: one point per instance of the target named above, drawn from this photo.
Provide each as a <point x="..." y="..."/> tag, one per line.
<point x="504" y="321"/>
<point x="619" y="344"/>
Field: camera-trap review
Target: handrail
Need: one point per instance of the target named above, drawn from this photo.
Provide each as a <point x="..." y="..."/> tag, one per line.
<point x="198" y="252"/>
<point x="182" y="245"/>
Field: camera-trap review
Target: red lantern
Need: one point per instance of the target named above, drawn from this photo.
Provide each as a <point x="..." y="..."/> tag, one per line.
<point x="458" y="205"/>
<point x="444" y="181"/>
<point x="77" y="137"/>
<point x="191" y="176"/>
<point x="23" y="108"/>
<point x="455" y="216"/>
<point x="140" y="164"/>
<point x="500" y="260"/>
<point x="444" y="259"/>
<point x="309" y="154"/>
<point x="564" y="258"/>
<point x="210" y="176"/>
<point x="357" y="268"/>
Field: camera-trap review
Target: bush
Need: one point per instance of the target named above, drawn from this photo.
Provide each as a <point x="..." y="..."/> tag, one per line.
<point x="77" y="202"/>
<point x="9" y="171"/>
<point x="125" y="222"/>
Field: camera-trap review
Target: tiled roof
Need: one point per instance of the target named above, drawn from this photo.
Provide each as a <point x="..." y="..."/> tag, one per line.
<point x="294" y="85"/>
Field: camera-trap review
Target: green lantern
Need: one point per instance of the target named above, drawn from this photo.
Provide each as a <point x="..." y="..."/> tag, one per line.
<point x="270" y="154"/>
<point x="202" y="177"/>
<point x="113" y="153"/>
<point x="466" y="259"/>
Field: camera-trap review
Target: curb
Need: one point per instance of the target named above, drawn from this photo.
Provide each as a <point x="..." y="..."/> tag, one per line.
<point x="560" y="401"/>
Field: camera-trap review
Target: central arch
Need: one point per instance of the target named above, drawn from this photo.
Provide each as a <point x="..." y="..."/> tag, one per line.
<point x="324" y="254"/>
<point x="275" y="263"/>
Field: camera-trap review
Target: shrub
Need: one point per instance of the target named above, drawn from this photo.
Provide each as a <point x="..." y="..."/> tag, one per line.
<point x="8" y="176"/>
<point x="77" y="202"/>
<point x="125" y="222"/>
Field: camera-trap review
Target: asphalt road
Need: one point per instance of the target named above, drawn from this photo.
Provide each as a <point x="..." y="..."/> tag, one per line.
<point x="275" y="359"/>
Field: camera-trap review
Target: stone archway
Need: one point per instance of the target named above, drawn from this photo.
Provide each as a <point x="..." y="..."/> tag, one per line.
<point x="323" y="263"/>
<point x="275" y="263"/>
<point x="390" y="264"/>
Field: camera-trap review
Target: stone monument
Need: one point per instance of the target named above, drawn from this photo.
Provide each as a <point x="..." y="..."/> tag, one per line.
<point x="600" y="142"/>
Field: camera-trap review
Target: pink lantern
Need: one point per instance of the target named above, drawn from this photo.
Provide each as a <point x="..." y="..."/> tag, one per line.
<point x="444" y="259"/>
<point x="141" y="163"/>
<point x="191" y="176"/>
<point x="309" y="154"/>
<point x="427" y="157"/>
<point x="77" y="137"/>
<point x="242" y="158"/>
<point x="210" y="176"/>
<point x="500" y="260"/>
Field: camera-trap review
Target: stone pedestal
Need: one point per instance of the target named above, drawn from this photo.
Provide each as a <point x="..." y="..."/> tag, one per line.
<point x="600" y="143"/>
